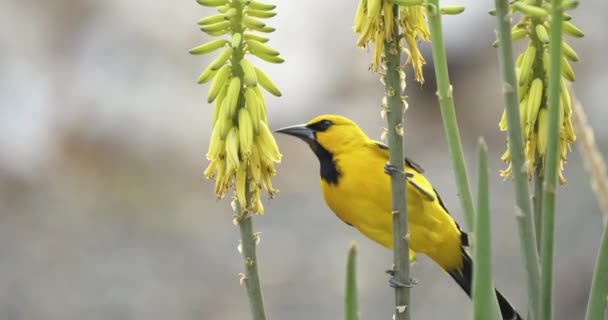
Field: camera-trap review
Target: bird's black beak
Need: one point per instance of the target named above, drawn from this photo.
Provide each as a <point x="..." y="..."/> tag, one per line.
<point x="300" y="131"/>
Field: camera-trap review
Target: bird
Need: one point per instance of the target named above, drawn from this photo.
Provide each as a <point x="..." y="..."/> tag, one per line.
<point x="357" y="189"/>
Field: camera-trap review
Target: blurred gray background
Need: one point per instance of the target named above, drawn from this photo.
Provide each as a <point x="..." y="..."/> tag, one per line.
<point x="104" y="213"/>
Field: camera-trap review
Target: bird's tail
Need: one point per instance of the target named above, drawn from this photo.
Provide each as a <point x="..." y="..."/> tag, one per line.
<point x="464" y="278"/>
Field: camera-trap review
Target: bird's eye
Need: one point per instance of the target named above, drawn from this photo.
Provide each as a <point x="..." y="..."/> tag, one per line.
<point x="321" y="125"/>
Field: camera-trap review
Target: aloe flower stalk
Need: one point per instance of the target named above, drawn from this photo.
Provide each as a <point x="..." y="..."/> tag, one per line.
<point x="242" y="151"/>
<point x="532" y="67"/>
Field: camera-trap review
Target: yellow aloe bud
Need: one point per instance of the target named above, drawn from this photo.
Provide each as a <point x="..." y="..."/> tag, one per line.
<point x="452" y="10"/>
<point x="245" y="133"/>
<point x="568" y="52"/>
<point x="518" y="33"/>
<point x="232" y="97"/>
<point x="503" y="122"/>
<point x="218" y="103"/>
<point x="266" y="144"/>
<point x="254" y="169"/>
<point x="266" y="83"/>
<point x="255" y="47"/>
<point x="572" y="30"/>
<point x="526" y="64"/>
<point x="218" y="82"/>
<point x="209" y="46"/>
<point x="542" y="131"/>
<point x="241" y="184"/>
<point x="378" y="50"/>
<point x="236" y="40"/>
<point x="546" y="60"/>
<point x="567" y="71"/>
<point x="232" y="148"/>
<point x="569" y="4"/>
<point x="523" y="116"/>
<point x="249" y="76"/>
<point x="360" y="16"/>
<point x="535" y="96"/>
<point x="253" y="106"/>
<point x="265" y="29"/>
<point x="249" y="36"/>
<point x="530" y="10"/>
<point x="541" y="33"/>
<point x="212" y="3"/>
<point x="223" y="122"/>
<point x="261" y="6"/>
<point x="518" y="61"/>
<point x="216" y="27"/>
<point x="221" y="59"/>
<point x="253" y="23"/>
<point x="260" y="13"/>
<point x="206" y="75"/>
<point x="216" y="144"/>
<point x="408" y="2"/>
<point x="212" y="19"/>
<point x="565" y="98"/>
<point x="262" y="103"/>
<point x="373" y="8"/>
<point x="388" y="19"/>
<point x="271" y="59"/>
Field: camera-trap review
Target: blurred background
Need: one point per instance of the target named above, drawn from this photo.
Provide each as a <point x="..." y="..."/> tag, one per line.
<point x="104" y="213"/>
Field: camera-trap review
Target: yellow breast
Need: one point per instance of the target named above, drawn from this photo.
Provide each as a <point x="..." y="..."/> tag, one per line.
<point x="362" y="198"/>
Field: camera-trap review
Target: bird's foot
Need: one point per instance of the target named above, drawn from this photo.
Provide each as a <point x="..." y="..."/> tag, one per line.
<point x="397" y="284"/>
<point x="393" y="283"/>
<point x="391" y="169"/>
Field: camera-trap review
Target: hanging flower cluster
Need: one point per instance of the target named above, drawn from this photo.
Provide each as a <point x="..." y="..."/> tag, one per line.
<point x="242" y="150"/>
<point x="532" y="67"/>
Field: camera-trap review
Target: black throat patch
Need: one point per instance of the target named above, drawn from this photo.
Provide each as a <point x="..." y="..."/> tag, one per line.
<point x="329" y="172"/>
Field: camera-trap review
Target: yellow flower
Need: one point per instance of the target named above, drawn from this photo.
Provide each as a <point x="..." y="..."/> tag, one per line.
<point x="532" y="67"/>
<point x="242" y="150"/>
<point x="375" y="22"/>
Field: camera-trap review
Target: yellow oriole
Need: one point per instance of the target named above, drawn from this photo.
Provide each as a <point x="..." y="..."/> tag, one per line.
<point x="357" y="190"/>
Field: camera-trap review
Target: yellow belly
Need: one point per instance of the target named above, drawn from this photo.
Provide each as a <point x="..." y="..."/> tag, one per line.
<point x="362" y="198"/>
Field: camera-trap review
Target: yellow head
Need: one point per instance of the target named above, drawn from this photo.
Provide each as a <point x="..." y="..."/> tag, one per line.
<point x="332" y="132"/>
<point x="328" y="136"/>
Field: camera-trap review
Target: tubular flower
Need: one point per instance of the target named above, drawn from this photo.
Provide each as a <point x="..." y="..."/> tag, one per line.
<point x="242" y="150"/>
<point x="412" y="20"/>
<point x="375" y="22"/>
<point x="532" y="67"/>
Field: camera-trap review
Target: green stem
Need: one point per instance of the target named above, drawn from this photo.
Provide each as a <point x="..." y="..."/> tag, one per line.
<point x="551" y="161"/>
<point x="252" y="281"/>
<point x="516" y="148"/>
<point x="248" y="239"/>
<point x="351" y="307"/>
<point x="446" y="103"/>
<point x="598" y="296"/>
<point x="392" y="53"/>
<point x="484" y="300"/>
<point x="537" y="201"/>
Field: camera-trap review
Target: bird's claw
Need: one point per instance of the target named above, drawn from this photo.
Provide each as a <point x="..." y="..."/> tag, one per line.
<point x="391" y="169"/>
<point x="397" y="284"/>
